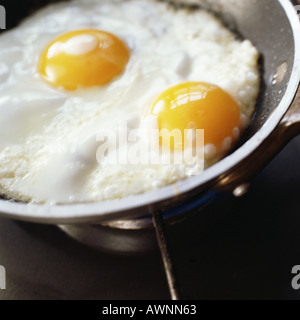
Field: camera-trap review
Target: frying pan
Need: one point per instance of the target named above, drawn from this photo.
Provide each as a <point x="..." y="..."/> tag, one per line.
<point x="273" y="26"/>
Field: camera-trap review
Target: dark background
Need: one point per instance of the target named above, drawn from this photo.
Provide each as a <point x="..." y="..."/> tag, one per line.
<point x="234" y="249"/>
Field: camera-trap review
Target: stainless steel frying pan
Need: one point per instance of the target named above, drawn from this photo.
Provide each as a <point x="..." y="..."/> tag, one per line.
<point x="274" y="27"/>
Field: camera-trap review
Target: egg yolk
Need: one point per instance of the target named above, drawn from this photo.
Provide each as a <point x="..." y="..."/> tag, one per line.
<point x="83" y="58"/>
<point x="198" y="105"/>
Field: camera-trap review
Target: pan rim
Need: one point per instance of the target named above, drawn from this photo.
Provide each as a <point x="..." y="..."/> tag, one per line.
<point x="106" y="210"/>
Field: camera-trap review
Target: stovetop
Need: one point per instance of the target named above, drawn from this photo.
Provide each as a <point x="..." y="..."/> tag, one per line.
<point x="234" y="249"/>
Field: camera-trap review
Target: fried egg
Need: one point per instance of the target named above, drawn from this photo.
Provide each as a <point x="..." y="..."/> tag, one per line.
<point x="78" y="68"/>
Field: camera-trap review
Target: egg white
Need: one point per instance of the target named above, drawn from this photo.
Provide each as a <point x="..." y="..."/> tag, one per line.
<point x="48" y="136"/>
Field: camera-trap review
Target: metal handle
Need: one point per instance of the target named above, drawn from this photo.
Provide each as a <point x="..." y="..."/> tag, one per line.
<point x="165" y="254"/>
<point x="291" y="120"/>
<point x="288" y="128"/>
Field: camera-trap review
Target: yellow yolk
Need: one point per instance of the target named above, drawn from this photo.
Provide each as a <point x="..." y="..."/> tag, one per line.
<point x="83" y="58"/>
<point x="198" y="105"/>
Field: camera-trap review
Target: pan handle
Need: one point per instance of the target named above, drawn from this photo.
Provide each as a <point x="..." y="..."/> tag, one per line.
<point x="237" y="179"/>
